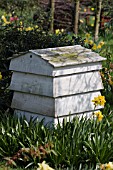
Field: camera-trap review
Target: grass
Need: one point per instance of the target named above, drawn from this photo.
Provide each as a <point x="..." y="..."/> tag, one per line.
<point x="80" y="143"/>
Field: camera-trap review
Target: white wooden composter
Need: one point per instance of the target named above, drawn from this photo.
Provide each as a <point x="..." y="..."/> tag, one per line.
<point x="56" y="82"/>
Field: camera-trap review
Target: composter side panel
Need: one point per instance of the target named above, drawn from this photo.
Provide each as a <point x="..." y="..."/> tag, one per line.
<point x="33" y="103"/>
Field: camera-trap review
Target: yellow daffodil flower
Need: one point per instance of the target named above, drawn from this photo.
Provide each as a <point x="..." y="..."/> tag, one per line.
<point x="100" y="100"/>
<point x="99" y="46"/>
<point x="92" y="9"/>
<point x="57" y="31"/>
<point x="62" y="30"/>
<point x="0" y="76"/>
<point x="86" y="40"/>
<point x="107" y="166"/>
<point x="36" y="26"/>
<point x="21" y="23"/>
<point x="29" y="28"/>
<point x="91" y="42"/>
<point x="44" y="166"/>
<point x="92" y="25"/>
<point x="88" y="35"/>
<point x="101" y="43"/>
<point x="5" y="20"/>
<point x="99" y="115"/>
<point x="94" y="47"/>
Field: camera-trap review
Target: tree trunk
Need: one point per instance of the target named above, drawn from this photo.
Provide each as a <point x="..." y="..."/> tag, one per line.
<point x="97" y="18"/>
<point x="52" y="10"/>
<point x="76" y="16"/>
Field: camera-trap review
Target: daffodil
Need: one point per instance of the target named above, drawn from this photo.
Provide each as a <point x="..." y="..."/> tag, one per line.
<point x="44" y="166"/>
<point x="21" y="23"/>
<point x="0" y="76"/>
<point x="5" y="20"/>
<point x="94" y="47"/>
<point x="29" y="28"/>
<point x="100" y="100"/>
<point x="92" y="9"/>
<point x="91" y="42"/>
<point x="81" y="21"/>
<point x="36" y="26"/>
<point x="107" y="166"/>
<point x="62" y="30"/>
<point x="57" y="31"/>
<point x="86" y="40"/>
<point x="101" y="43"/>
<point x="88" y="35"/>
<point x="99" y="115"/>
<point x="92" y="25"/>
<point x="99" y="46"/>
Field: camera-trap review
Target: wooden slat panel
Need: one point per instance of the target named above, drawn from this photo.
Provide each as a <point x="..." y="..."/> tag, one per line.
<point x="75" y="104"/>
<point x="31" y="63"/>
<point x="50" y="120"/>
<point x="80" y="68"/>
<point x="62" y="106"/>
<point x="67" y="85"/>
<point x="78" y="83"/>
<point x="32" y="83"/>
<point x="33" y="103"/>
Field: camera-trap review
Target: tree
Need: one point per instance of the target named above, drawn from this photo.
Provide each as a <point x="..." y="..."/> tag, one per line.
<point x="76" y="15"/>
<point x="97" y="18"/>
<point x="52" y="11"/>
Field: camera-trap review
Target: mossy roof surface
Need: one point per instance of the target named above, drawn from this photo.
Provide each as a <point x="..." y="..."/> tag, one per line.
<point x="68" y="55"/>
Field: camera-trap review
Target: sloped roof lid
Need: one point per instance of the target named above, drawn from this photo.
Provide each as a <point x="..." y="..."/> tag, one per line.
<point x="68" y="55"/>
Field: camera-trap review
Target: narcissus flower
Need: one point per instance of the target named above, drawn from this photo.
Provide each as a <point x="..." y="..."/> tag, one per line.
<point x="99" y="115"/>
<point x="57" y="31"/>
<point x="5" y="20"/>
<point x="81" y="21"/>
<point x="92" y="25"/>
<point x="0" y="76"/>
<point x="101" y="43"/>
<point x="91" y="42"/>
<point x="88" y="35"/>
<point x="92" y="9"/>
<point x="107" y="166"/>
<point x="44" y="166"/>
<point x="94" y="47"/>
<point x="99" y="46"/>
<point x="29" y="28"/>
<point x="100" y="100"/>
<point x="86" y="40"/>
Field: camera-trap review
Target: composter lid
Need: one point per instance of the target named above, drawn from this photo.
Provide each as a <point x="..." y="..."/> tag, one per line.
<point x="68" y="55"/>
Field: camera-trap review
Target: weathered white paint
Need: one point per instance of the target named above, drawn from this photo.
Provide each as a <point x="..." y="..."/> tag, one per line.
<point x="58" y="86"/>
<point x="33" y="103"/>
<point x="44" y="60"/>
<point x="30" y="63"/>
<point x="54" y="107"/>
<point x="80" y="68"/>
<point x="77" y="83"/>
<point x="51" y="120"/>
<point x="32" y="84"/>
<point x="68" y="56"/>
<point x="54" y="82"/>
<point x="75" y="104"/>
